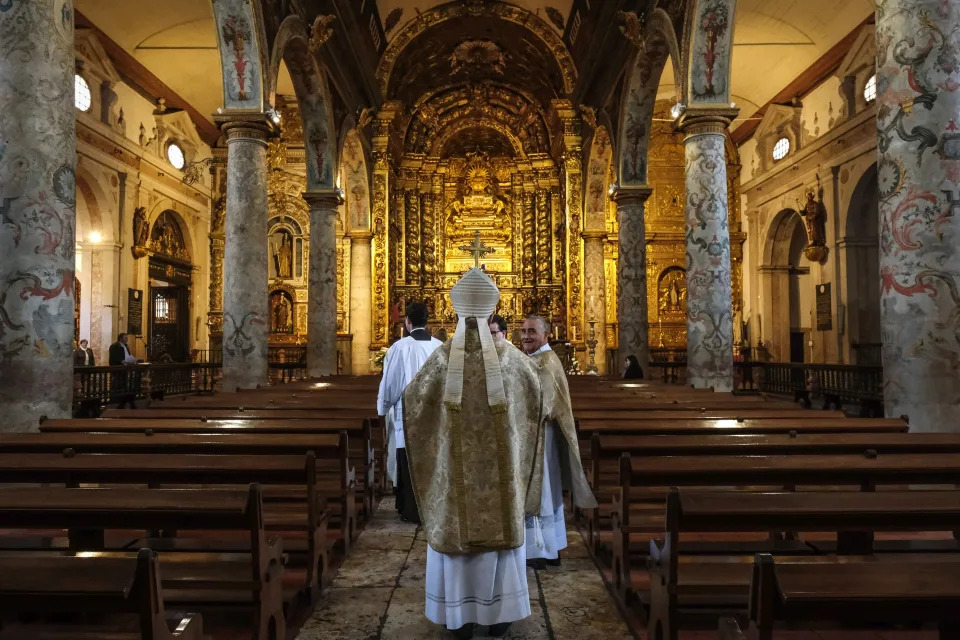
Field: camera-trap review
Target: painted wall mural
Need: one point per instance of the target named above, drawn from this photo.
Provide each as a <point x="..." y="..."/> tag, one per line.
<point x="918" y="139"/>
<point x="598" y="180"/>
<point x="239" y="39"/>
<point x="315" y="113"/>
<point x="709" y="56"/>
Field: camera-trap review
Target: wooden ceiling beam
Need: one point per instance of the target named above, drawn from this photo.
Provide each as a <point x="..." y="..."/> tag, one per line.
<point x="810" y="79"/>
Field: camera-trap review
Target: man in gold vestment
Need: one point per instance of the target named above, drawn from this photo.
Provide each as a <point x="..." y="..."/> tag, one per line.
<point x="473" y="431"/>
<point x="561" y="467"/>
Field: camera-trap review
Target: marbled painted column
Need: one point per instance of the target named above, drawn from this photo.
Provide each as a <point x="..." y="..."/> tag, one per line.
<point x="918" y="102"/>
<point x="709" y="296"/>
<point x="322" y="286"/>
<point x="245" y="275"/>
<point x="632" y="320"/>
<point x="37" y="212"/>
<point x="595" y="293"/>
<point x="360" y="300"/>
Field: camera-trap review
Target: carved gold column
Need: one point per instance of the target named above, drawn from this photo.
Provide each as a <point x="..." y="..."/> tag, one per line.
<point x="529" y="239"/>
<point x="572" y="185"/>
<point x="556" y="229"/>
<point x="217" y="239"/>
<point x="429" y="230"/>
<point x="412" y="264"/>
<point x="544" y="238"/>
<point x="380" y="244"/>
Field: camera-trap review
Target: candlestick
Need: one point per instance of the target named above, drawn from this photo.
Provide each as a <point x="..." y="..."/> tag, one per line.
<point x="592" y="349"/>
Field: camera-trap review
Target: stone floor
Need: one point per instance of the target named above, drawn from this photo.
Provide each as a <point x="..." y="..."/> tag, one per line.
<point x="378" y="593"/>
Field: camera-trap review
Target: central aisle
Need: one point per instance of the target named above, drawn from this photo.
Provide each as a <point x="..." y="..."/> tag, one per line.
<point x="378" y="593"/>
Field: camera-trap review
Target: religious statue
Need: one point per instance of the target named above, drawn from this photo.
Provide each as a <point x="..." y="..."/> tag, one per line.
<point x="815" y="221"/>
<point x="283" y="257"/>
<point x="141" y="232"/>
<point x="279" y="313"/>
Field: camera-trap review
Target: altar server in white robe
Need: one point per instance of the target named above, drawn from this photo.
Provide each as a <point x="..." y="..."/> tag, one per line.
<point x="562" y="470"/>
<point x="400" y="365"/>
<point x="472" y="422"/>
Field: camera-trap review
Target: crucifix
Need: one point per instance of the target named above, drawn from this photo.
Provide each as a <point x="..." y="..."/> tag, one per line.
<point x="477" y="248"/>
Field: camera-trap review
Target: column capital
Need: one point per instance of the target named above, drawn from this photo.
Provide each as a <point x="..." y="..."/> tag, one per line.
<point x="696" y="121"/>
<point x="594" y="234"/>
<point x="246" y="125"/>
<point x="631" y="196"/>
<point x="360" y="236"/>
<point x="327" y="199"/>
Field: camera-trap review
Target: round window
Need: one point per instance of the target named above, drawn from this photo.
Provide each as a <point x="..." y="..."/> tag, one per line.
<point x="175" y="155"/>
<point x="781" y="149"/>
<point x="81" y="93"/>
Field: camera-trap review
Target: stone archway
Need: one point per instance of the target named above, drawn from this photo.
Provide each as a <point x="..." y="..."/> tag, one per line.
<point x="785" y="317"/>
<point x="860" y="247"/>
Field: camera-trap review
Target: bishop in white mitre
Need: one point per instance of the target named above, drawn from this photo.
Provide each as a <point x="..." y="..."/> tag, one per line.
<point x="472" y="425"/>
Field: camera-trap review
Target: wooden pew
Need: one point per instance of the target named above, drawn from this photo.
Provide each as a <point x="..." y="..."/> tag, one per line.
<point x="857" y="471"/>
<point x="307" y="516"/>
<point x="686" y="574"/>
<point x="693" y="437"/>
<point x="335" y="476"/>
<point x="889" y="592"/>
<point x="83" y="585"/>
<point x="361" y="451"/>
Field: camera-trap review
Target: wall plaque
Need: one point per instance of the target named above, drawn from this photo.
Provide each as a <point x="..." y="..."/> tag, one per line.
<point x="824" y="311"/>
<point x="135" y="312"/>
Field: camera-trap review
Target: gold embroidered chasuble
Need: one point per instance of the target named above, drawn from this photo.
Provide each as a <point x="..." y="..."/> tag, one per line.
<point x="558" y="411"/>
<point x="475" y="470"/>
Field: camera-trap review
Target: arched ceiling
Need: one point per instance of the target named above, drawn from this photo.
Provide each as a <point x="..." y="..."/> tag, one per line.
<point x="395" y="14"/>
<point x="774" y="41"/>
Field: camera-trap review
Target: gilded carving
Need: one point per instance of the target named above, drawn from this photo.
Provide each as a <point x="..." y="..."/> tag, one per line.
<point x="544" y="240"/>
<point x="413" y="239"/>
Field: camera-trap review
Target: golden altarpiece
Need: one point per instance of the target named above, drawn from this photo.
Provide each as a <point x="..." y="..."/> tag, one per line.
<point x="288" y="242"/>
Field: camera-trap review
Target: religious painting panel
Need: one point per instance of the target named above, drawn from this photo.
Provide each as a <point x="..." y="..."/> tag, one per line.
<point x="353" y="180"/>
<point x="709" y="54"/>
<point x="240" y="41"/>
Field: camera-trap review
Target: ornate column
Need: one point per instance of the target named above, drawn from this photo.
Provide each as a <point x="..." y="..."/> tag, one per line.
<point x="380" y="244"/>
<point x="709" y="295"/>
<point x="918" y="101"/>
<point x="245" y="291"/>
<point x="37" y="212"/>
<point x="594" y="293"/>
<point x="529" y="237"/>
<point x="322" y="283"/>
<point x="544" y="238"/>
<point x="430" y="204"/>
<point x="411" y="200"/>
<point x="634" y="325"/>
<point x="360" y="300"/>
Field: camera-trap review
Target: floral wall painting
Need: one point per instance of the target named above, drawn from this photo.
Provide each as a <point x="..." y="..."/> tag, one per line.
<point x="598" y="176"/>
<point x="238" y="36"/>
<point x="353" y="180"/>
<point x="637" y="110"/>
<point x="709" y="57"/>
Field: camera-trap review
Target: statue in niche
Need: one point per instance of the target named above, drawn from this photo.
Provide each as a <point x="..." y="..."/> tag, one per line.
<point x="815" y="222"/>
<point x="141" y="232"/>
<point x="282" y="245"/>
<point x="280" y="312"/>
<point x="672" y="292"/>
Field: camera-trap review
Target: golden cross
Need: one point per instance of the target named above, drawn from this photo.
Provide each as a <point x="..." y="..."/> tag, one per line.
<point x="477" y="248"/>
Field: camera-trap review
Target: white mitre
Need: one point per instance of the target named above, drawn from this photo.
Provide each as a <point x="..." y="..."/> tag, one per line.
<point x="474" y="296"/>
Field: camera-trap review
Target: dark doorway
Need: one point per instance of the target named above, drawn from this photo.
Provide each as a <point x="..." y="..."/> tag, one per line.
<point x="169" y="332"/>
<point x="796" y="346"/>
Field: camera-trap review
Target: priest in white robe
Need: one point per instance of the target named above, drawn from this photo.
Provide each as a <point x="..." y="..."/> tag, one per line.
<point x="473" y="428"/>
<point x="546" y="529"/>
<point x="400" y="365"/>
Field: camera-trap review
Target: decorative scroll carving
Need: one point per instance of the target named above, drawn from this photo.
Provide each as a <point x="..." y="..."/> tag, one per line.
<point x="544" y="239"/>
<point x="320" y="33"/>
<point x="559" y="235"/>
<point x="413" y="239"/>
<point x="343" y="285"/>
<point x="529" y="224"/>
<point x="167" y="238"/>
<point x="380" y="252"/>
<point x="429" y="233"/>
<point x="575" y="248"/>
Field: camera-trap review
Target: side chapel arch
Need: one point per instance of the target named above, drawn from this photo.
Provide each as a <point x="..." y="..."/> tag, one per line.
<point x="785" y="286"/>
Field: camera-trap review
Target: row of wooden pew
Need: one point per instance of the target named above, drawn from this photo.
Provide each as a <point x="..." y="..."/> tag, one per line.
<point x="750" y="512"/>
<point x="201" y="505"/>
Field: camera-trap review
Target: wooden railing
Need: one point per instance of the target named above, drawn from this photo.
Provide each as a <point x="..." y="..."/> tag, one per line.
<point x="95" y="387"/>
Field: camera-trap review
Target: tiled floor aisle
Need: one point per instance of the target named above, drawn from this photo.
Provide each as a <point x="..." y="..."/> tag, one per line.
<point x="378" y="593"/>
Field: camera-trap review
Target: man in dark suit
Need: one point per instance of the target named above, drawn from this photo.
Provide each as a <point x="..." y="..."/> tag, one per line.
<point x="123" y="385"/>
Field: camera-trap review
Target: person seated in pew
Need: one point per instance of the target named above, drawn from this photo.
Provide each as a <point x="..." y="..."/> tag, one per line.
<point x="400" y="365"/>
<point x="473" y="426"/>
<point x="632" y="369"/>
<point x="562" y="468"/>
